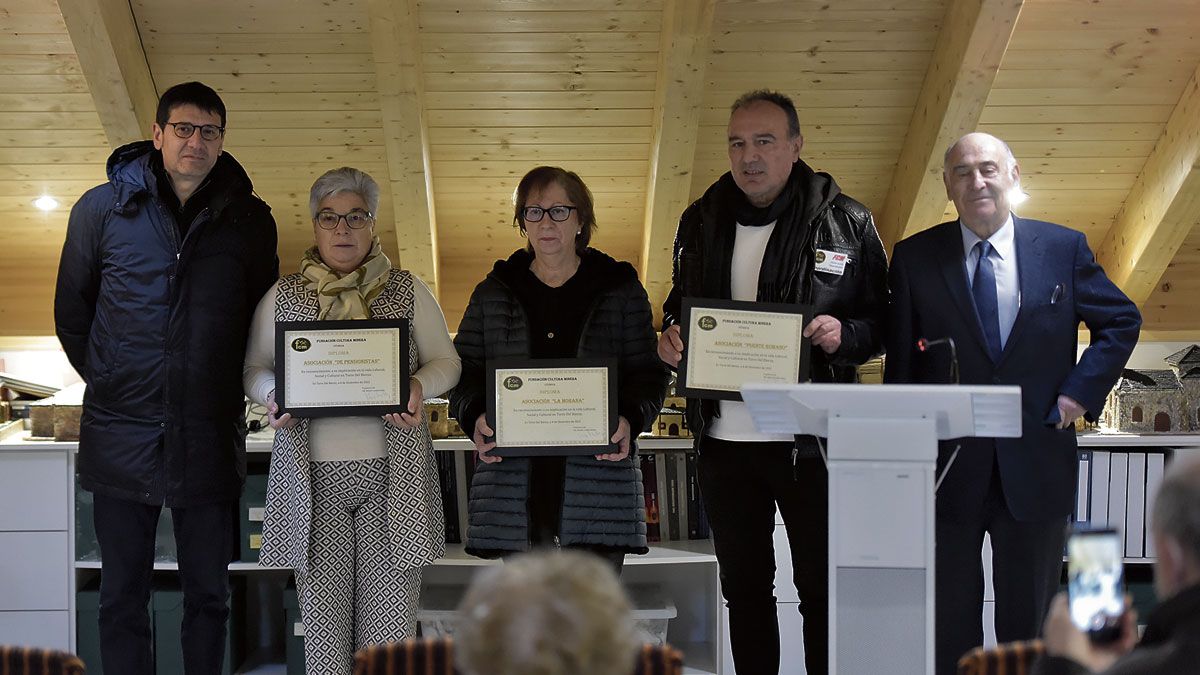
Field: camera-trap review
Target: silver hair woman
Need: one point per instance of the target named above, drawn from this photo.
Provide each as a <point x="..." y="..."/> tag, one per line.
<point x="547" y="613"/>
<point x="353" y="502"/>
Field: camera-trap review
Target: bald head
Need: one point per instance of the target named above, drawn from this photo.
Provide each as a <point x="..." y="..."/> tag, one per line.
<point x="980" y="175"/>
<point x="978" y="137"/>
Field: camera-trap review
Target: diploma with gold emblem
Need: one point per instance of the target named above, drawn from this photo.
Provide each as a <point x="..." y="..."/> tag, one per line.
<point x="729" y="343"/>
<point x="333" y="368"/>
<point x="552" y="406"/>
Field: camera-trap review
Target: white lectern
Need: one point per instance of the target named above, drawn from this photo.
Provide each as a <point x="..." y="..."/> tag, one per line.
<point x="882" y="454"/>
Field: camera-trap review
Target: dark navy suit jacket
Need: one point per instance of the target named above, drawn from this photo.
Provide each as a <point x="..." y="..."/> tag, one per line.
<point x="1060" y="286"/>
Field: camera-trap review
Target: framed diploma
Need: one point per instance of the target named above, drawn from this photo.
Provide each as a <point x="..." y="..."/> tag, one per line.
<point x="728" y="343"/>
<point x="334" y="368"/>
<point x="552" y="406"/>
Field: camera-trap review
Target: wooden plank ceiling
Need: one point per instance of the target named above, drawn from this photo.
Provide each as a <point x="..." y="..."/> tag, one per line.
<point x="448" y="102"/>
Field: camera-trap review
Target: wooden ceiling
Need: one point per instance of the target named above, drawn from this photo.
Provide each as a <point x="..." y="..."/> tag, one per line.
<point x="448" y="102"/>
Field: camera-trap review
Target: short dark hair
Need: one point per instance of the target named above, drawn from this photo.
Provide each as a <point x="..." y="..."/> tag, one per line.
<point x="768" y="96"/>
<point x="577" y="192"/>
<point x="189" y="93"/>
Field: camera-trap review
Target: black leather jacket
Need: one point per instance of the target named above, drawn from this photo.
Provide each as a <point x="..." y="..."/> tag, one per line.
<point x="827" y="220"/>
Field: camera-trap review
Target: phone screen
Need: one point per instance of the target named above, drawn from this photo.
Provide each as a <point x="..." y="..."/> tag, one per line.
<point x="1095" y="582"/>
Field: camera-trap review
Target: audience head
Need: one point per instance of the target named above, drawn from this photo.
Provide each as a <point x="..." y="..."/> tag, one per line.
<point x="1175" y="526"/>
<point x="547" y="613"/>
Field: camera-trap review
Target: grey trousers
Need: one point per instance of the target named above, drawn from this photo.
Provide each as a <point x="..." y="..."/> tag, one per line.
<point x="353" y="596"/>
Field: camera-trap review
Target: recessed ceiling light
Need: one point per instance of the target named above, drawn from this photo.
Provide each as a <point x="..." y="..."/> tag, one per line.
<point x="46" y="203"/>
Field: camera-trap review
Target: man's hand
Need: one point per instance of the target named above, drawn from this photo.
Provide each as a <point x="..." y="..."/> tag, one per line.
<point x="824" y="331"/>
<point x="621" y="438"/>
<point x="1063" y="637"/>
<point x="670" y="346"/>
<point x="1069" y="410"/>
<point x="416" y="403"/>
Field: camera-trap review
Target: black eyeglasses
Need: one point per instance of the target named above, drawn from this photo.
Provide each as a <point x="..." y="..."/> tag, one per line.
<point x="558" y="214"/>
<point x="209" y="132"/>
<point x="355" y="220"/>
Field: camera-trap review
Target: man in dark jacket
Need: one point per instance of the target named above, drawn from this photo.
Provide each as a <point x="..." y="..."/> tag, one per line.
<point x="773" y="230"/>
<point x="1171" y="642"/>
<point x="160" y="273"/>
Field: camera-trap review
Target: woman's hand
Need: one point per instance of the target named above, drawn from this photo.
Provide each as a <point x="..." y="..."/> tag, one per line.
<point x="482" y="430"/>
<point x="284" y="421"/>
<point x="416" y="403"/>
<point x="621" y="438"/>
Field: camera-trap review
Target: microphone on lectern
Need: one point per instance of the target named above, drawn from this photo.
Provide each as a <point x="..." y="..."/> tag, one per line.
<point x="924" y="345"/>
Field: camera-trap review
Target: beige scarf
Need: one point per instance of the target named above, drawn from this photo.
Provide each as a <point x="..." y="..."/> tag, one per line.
<point x="346" y="296"/>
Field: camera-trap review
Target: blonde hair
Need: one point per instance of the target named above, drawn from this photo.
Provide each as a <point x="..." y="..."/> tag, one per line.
<point x="551" y="613"/>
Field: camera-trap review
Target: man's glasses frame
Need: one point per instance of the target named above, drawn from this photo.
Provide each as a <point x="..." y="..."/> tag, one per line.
<point x="209" y="132"/>
<point x="357" y="219"/>
<point x="533" y="214"/>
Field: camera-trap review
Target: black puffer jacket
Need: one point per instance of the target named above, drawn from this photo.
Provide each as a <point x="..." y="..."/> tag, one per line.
<point x="602" y="501"/>
<point x="157" y="328"/>
<point x="821" y="217"/>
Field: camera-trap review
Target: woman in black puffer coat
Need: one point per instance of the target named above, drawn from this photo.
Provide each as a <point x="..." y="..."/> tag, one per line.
<point x="558" y="298"/>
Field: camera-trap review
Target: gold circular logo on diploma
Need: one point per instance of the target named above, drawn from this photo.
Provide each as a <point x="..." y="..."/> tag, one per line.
<point x="820" y="257"/>
<point x="513" y="383"/>
<point x="706" y="322"/>
<point x="301" y="344"/>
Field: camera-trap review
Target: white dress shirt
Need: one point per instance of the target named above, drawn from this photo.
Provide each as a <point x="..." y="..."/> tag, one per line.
<point x="1004" y="263"/>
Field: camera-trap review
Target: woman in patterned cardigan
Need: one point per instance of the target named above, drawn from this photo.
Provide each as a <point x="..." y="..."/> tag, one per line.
<point x="353" y="503"/>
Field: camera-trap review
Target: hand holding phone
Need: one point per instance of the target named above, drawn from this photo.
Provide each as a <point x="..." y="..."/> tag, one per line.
<point x="1096" y="583"/>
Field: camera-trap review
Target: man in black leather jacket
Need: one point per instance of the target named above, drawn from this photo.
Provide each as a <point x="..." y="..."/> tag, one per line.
<point x="160" y="273"/>
<point x="773" y="230"/>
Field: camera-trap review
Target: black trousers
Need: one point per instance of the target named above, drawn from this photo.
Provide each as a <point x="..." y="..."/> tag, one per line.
<point x="1026" y="565"/>
<point x="741" y="484"/>
<point x="204" y="538"/>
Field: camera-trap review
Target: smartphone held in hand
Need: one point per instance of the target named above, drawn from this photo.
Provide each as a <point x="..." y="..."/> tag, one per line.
<point x="1096" y="582"/>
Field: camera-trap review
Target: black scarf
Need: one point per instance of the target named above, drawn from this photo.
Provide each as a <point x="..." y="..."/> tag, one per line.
<point x="804" y="195"/>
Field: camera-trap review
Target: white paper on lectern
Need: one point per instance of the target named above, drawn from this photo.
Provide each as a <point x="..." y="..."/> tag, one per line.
<point x="960" y="410"/>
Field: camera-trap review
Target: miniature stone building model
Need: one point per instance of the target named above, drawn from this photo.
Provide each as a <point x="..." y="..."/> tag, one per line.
<point x="1157" y="400"/>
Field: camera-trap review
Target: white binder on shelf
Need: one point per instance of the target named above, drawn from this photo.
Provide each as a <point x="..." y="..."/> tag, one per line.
<point x="1155" y="463"/>
<point x="1135" y="505"/>
<point x="1118" y="476"/>
<point x="1098" y="509"/>
<point x="1083" y="486"/>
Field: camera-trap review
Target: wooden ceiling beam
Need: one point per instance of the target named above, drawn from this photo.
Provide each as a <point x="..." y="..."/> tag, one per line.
<point x="106" y="40"/>
<point x="682" y="60"/>
<point x="1163" y="205"/>
<point x="974" y="36"/>
<point x="396" y="47"/>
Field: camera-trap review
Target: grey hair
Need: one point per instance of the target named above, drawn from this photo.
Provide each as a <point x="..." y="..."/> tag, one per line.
<point x="546" y="613"/>
<point x="344" y="179"/>
<point x="1012" y="159"/>
<point x="1177" y="507"/>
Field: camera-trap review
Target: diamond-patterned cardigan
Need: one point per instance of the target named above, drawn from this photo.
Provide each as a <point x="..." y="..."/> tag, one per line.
<point x="414" y="514"/>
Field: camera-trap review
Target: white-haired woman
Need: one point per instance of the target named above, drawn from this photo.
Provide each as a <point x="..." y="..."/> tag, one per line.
<point x="353" y="503"/>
